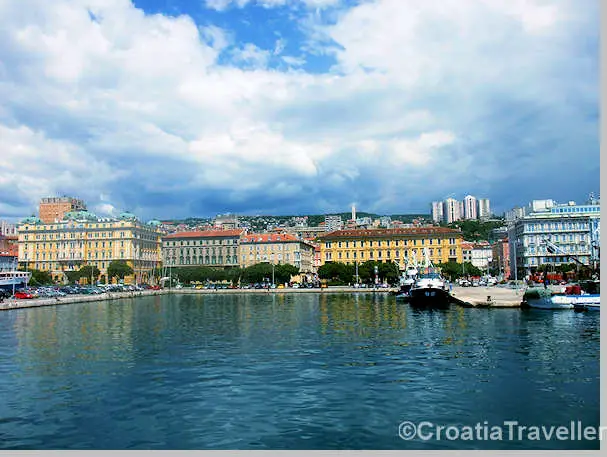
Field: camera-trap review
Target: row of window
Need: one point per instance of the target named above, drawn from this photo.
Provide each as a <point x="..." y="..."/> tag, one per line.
<point x="543" y="226"/>
<point x="203" y="260"/>
<point x="384" y="243"/>
<point x="379" y="254"/>
<point x="534" y="261"/>
<point x="227" y="242"/>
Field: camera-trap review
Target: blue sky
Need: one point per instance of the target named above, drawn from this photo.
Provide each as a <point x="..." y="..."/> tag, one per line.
<point x="174" y="108"/>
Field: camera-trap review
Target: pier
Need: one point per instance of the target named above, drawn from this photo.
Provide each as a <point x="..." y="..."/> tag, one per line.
<point x="489" y="297"/>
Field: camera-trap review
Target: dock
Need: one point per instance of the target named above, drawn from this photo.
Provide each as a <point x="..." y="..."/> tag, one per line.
<point x="488" y="297"/>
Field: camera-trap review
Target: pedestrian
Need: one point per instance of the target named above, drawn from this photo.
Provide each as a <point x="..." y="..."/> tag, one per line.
<point x="546" y="282"/>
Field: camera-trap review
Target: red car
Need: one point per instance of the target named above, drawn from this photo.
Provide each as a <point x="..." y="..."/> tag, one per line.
<point x="155" y="288"/>
<point x="23" y="295"/>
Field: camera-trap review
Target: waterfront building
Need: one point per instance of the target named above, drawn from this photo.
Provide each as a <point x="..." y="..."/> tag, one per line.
<point x="276" y="248"/>
<point x="385" y="221"/>
<point x="212" y="248"/>
<point x="437" y="212"/>
<point x="469" y="205"/>
<point x="333" y="223"/>
<point x="501" y="257"/>
<point x="451" y="210"/>
<point x="392" y="245"/>
<point x="482" y="255"/>
<point x="575" y="229"/>
<point x="484" y="209"/>
<point x="515" y="213"/>
<point x="467" y="248"/>
<point x="81" y="238"/>
<point x="9" y="252"/>
<point x="7" y="229"/>
<point x="53" y="209"/>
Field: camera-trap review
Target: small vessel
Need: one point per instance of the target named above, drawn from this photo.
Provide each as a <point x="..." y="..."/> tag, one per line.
<point x="12" y="279"/>
<point x="408" y="279"/>
<point x="582" y="297"/>
<point x="430" y="289"/>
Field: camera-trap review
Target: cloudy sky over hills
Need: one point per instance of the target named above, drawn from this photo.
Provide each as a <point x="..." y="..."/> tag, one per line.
<point x="174" y="108"/>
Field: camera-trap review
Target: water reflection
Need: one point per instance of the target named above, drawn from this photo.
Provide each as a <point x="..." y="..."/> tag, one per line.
<point x="285" y="371"/>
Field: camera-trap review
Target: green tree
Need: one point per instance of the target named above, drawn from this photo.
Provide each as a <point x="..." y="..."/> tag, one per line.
<point x="88" y="272"/>
<point x="40" y="278"/>
<point x="283" y="272"/>
<point x="455" y="270"/>
<point x="118" y="269"/>
<point x="72" y="276"/>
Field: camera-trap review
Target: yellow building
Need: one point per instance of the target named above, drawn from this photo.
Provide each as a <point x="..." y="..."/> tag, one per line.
<point x="276" y="248"/>
<point x="82" y="238"/>
<point x="392" y="245"/>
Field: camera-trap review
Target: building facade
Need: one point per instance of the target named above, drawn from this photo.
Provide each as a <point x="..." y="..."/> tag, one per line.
<point x="484" y="209"/>
<point x="333" y="223"/>
<point x="392" y="245"/>
<point x="437" y="212"/>
<point x="53" y="209"/>
<point x="451" y="210"/>
<point x="501" y="258"/>
<point x="470" y="207"/>
<point x="574" y="229"/>
<point x="482" y="255"/>
<point x="82" y="238"/>
<point x="7" y="229"/>
<point x="9" y="252"/>
<point x="276" y="248"/>
<point x="212" y="248"/>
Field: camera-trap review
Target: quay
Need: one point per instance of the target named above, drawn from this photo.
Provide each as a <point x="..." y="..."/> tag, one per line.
<point x="8" y="304"/>
<point x="489" y="297"/>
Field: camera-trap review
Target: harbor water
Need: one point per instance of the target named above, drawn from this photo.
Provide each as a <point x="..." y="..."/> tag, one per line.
<point x="300" y="371"/>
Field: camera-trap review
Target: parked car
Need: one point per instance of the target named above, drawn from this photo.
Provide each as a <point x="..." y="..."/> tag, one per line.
<point x="23" y="295"/>
<point x="5" y="294"/>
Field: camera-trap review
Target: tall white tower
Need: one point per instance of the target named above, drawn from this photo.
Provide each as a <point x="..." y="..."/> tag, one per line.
<point x="470" y="207"/>
<point x="354" y="213"/>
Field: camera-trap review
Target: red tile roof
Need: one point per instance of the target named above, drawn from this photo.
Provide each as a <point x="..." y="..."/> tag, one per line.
<point x="377" y="233"/>
<point x="205" y="234"/>
<point x="268" y="238"/>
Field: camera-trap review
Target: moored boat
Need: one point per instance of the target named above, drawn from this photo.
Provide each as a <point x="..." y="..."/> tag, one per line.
<point x="13" y="279"/>
<point x="429" y="291"/>
<point x="573" y="297"/>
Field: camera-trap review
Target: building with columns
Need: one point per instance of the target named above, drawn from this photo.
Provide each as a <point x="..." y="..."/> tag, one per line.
<point x="81" y="238"/>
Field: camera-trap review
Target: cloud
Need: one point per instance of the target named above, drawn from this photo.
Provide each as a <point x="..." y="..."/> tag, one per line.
<point x="168" y="117"/>
<point x="222" y="5"/>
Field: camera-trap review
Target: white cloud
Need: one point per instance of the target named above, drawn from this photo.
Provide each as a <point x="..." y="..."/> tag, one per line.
<point x="87" y="103"/>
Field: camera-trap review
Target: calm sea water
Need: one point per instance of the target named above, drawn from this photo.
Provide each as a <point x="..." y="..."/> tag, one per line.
<point x="301" y="371"/>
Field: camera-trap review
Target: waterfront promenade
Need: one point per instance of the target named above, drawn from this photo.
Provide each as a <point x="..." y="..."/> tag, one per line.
<point x="489" y="297"/>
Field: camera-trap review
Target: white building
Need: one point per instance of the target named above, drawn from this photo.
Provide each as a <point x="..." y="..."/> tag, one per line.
<point x="482" y="255"/>
<point x="437" y="211"/>
<point x="515" y="213"/>
<point x="7" y="229"/>
<point x="575" y="229"/>
<point x="451" y="210"/>
<point x="333" y="223"/>
<point x="484" y="209"/>
<point x="469" y="204"/>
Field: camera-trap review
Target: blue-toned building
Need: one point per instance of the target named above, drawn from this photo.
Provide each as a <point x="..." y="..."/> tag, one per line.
<point x="574" y="229"/>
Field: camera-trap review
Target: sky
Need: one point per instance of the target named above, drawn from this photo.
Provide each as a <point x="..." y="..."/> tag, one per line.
<point x="191" y="108"/>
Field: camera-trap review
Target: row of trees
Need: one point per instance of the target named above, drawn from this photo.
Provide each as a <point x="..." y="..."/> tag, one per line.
<point x="257" y="273"/>
<point x="116" y="269"/>
<point x="341" y="273"/>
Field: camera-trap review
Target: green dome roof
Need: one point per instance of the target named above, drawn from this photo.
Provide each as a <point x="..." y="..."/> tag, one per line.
<point x="31" y="220"/>
<point x="127" y="215"/>
<point x="80" y="215"/>
<point x="154" y="223"/>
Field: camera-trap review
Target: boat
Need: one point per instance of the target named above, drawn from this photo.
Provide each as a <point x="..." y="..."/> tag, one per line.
<point x="429" y="289"/>
<point x="12" y="279"/>
<point x="408" y="279"/>
<point x="582" y="297"/>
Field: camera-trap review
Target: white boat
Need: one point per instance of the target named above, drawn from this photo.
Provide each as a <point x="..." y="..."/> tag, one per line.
<point x="408" y="279"/>
<point x="13" y="279"/>
<point x="430" y="289"/>
<point x="580" y="300"/>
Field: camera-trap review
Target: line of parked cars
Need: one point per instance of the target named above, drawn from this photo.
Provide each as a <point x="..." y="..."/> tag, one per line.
<point x="75" y="289"/>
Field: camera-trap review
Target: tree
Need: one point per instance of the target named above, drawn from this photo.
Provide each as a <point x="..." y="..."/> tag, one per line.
<point x="118" y="269"/>
<point x="72" y="275"/>
<point x="454" y="270"/>
<point x="283" y="272"/>
<point x="90" y="272"/>
<point x="40" y="278"/>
